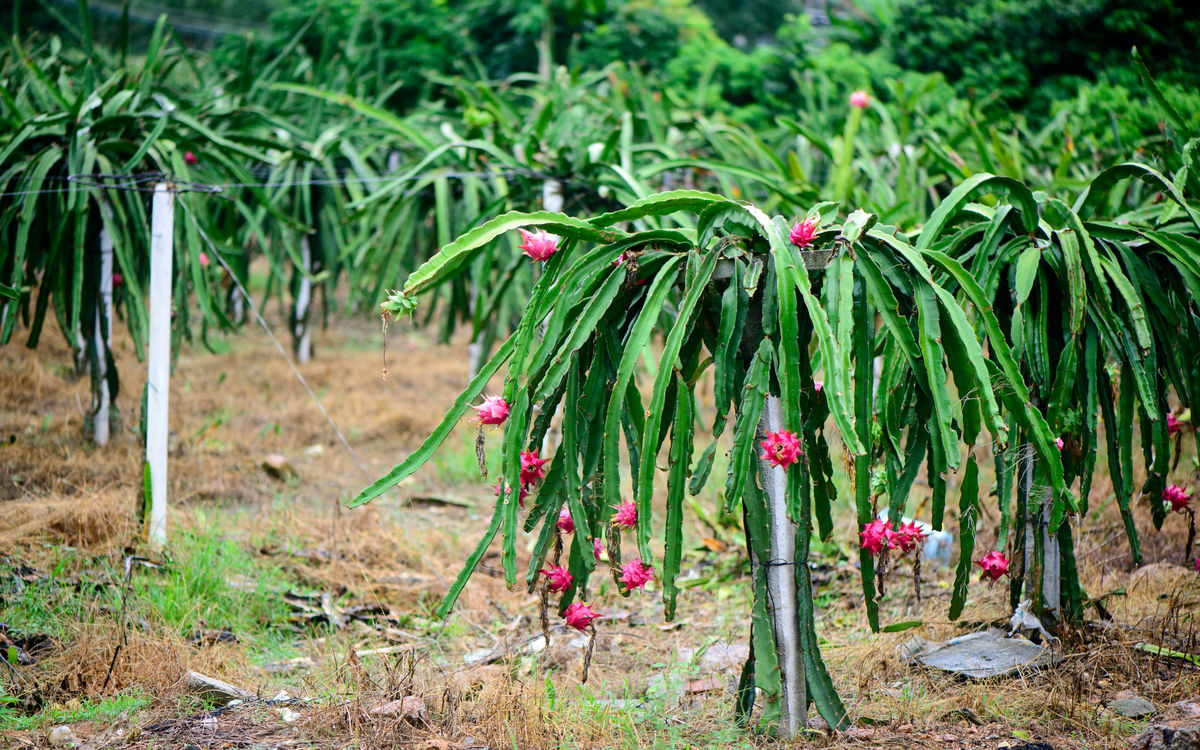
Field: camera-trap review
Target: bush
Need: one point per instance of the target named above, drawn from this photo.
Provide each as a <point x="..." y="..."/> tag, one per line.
<point x="363" y="47"/>
<point x="1031" y="53"/>
<point x="649" y="34"/>
<point x="1113" y="118"/>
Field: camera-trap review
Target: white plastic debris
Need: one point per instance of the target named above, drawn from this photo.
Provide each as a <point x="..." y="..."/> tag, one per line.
<point x="1023" y="621"/>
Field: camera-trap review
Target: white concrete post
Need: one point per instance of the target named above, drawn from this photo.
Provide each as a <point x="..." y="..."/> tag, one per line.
<point x="158" y="387"/>
<point x="1050" y="560"/>
<point x="781" y="581"/>
<point x="101" y="340"/>
<point x="300" y="329"/>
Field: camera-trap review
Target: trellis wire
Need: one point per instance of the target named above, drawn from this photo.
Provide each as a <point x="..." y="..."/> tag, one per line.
<point x="299" y="376"/>
<point x="143" y="182"/>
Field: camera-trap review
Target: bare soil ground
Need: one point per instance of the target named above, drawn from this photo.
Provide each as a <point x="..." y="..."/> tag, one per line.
<point x="361" y="662"/>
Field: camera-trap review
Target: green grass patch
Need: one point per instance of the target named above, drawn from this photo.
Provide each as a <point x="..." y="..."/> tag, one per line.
<point x="106" y="710"/>
<point x="206" y="581"/>
<point x="212" y="579"/>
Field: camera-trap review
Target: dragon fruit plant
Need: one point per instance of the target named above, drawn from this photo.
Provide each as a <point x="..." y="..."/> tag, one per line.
<point x="1027" y="308"/>
<point x="1101" y="312"/>
<point x="763" y="302"/>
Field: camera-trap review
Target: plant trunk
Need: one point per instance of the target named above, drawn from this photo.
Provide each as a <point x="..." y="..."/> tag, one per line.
<point x="782" y="597"/>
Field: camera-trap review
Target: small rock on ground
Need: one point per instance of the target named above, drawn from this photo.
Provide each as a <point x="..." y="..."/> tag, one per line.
<point x="1132" y="707"/>
<point x="1168" y="738"/>
<point x="59" y="736"/>
<point x="410" y="708"/>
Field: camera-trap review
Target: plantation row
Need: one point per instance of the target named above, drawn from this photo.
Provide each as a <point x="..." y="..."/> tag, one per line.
<point x="1056" y="326"/>
<point x="326" y="186"/>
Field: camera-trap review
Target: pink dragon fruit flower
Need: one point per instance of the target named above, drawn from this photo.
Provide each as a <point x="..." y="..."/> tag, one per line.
<point x="539" y="245"/>
<point x="994" y="565"/>
<point x="566" y="524"/>
<point x="626" y="516"/>
<point x="781" y="448"/>
<point x="1174" y="426"/>
<point x="524" y="493"/>
<point x="818" y="385"/>
<point x="859" y="99"/>
<point x="597" y="548"/>
<point x="875" y="535"/>
<point x="559" y="577"/>
<point x="1177" y="497"/>
<point x="803" y="232"/>
<point x="908" y="537"/>
<point x="493" y="411"/>
<point x="190" y="159"/>
<point x="580" y="615"/>
<point x="635" y="574"/>
<point x="531" y="467"/>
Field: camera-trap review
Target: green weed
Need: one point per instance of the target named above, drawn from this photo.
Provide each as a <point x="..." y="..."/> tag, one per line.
<point x="210" y="579"/>
<point x="106" y="710"/>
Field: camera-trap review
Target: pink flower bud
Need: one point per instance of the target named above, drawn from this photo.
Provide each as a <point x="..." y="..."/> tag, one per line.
<point x="994" y="565"/>
<point x="203" y="259"/>
<point x="818" y="385"/>
<point x="1174" y="426"/>
<point x="190" y="159"/>
<point x="580" y="615"/>
<point x="538" y="245"/>
<point x="781" y="448"/>
<point x="560" y="578"/>
<point x="531" y="467"/>
<point x="566" y="524"/>
<point x="524" y="493"/>
<point x="597" y="548"/>
<point x="635" y="574"/>
<point x="1177" y="497"/>
<point x="626" y="516"/>
<point x="859" y="99"/>
<point x="1058" y="443"/>
<point x="493" y="411"/>
<point x="803" y="232"/>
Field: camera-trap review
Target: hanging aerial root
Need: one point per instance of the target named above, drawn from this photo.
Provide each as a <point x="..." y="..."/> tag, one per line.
<point x="614" y="558"/>
<point x="917" y="575"/>
<point x="479" y="454"/>
<point x="587" y="654"/>
<point x="881" y="568"/>
<point x="1191" y="537"/>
